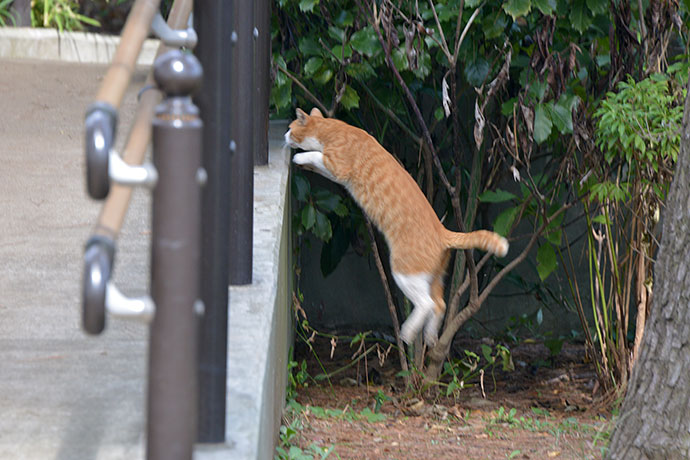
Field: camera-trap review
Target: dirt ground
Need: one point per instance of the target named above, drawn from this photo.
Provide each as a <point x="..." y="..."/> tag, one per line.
<point x="545" y="408"/>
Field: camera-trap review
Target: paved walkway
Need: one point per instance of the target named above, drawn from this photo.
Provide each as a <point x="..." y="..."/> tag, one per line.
<point x="63" y="395"/>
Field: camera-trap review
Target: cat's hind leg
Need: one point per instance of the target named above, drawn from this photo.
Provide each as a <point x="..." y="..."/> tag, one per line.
<point x="417" y="288"/>
<point x="434" y="322"/>
<point x="313" y="161"/>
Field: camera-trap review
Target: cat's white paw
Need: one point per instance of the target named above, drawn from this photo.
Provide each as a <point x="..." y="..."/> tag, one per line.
<point x="407" y="332"/>
<point x="431" y="330"/>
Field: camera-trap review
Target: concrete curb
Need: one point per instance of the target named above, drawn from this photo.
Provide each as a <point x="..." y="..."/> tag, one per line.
<point x="49" y="44"/>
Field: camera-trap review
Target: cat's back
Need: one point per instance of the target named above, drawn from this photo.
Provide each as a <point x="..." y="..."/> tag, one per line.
<point x="384" y="189"/>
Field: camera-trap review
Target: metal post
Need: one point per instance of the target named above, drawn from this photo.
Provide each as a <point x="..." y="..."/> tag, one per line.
<point x="175" y="261"/>
<point x="211" y="19"/>
<point x="242" y="160"/>
<point x="262" y="79"/>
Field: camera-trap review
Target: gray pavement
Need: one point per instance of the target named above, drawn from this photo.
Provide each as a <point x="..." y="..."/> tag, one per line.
<point x="63" y="395"/>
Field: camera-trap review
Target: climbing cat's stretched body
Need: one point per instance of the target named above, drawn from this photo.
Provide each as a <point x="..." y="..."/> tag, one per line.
<point x="419" y="243"/>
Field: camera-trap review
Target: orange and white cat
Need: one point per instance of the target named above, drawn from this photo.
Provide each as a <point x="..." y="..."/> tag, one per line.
<point x="419" y="244"/>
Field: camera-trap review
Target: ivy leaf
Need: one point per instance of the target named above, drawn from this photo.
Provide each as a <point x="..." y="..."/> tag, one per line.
<point x="308" y="216"/>
<point x="300" y="187"/>
<point x="307" y="5"/>
<point x="495" y="24"/>
<point x="400" y="59"/>
<point x="546" y="261"/>
<point x="365" y="42"/>
<point x="598" y="6"/>
<point x="560" y="116"/>
<point x="350" y="98"/>
<point x="323" y="76"/>
<point x="309" y="47"/>
<point x="333" y="251"/>
<point x="326" y="200"/>
<point x="322" y="226"/>
<point x="505" y="220"/>
<point x="517" y="8"/>
<point x="336" y="33"/>
<point x="545" y="6"/>
<point x="497" y="196"/>
<point x="579" y="16"/>
<point x="476" y="71"/>
<point x="542" y="124"/>
<point x="282" y="95"/>
<point x="312" y="65"/>
<point x="344" y="19"/>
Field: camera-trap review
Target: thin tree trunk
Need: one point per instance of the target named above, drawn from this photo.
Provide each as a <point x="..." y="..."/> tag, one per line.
<point x="654" y="422"/>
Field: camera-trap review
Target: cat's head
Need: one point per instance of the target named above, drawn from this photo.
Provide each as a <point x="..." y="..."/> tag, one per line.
<point x="302" y="132"/>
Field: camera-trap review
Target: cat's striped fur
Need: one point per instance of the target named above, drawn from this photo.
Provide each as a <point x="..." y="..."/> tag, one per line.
<point x="419" y="244"/>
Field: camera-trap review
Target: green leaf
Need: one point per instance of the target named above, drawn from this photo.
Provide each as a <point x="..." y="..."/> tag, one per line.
<point x="495" y="24"/>
<point x="517" y="8"/>
<point x="598" y="6"/>
<point x="322" y="227"/>
<point x="342" y="53"/>
<point x="546" y="261"/>
<point x="333" y="250"/>
<point x="371" y="416"/>
<point x="542" y="124"/>
<point x="350" y="98"/>
<point x="281" y="96"/>
<point x="486" y="351"/>
<point x="336" y="33"/>
<point x="309" y="47"/>
<point x="308" y="216"/>
<point x="307" y="5"/>
<point x="312" y="65"/>
<point x="554" y="237"/>
<point x="399" y="59"/>
<point x="365" y="41"/>
<point x="476" y="71"/>
<point x="360" y="70"/>
<point x="323" y="76"/>
<point x="579" y="16"/>
<point x="326" y="200"/>
<point x="496" y="196"/>
<point x="300" y="187"/>
<point x="545" y="6"/>
<point x="344" y="19"/>
<point x="505" y="220"/>
<point x="561" y="117"/>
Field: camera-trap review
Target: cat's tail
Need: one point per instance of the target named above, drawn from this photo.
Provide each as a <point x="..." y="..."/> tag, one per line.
<point x="480" y="239"/>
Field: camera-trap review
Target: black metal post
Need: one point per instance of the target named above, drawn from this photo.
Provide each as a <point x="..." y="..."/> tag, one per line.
<point x="175" y="261"/>
<point x="262" y="79"/>
<point x="242" y="159"/>
<point x="211" y="20"/>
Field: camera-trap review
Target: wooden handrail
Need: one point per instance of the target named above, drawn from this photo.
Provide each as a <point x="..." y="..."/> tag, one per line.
<point x="134" y="33"/>
<point x="115" y="206"/>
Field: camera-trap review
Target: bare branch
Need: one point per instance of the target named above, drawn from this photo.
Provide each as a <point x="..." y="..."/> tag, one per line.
<point x="307" y="93"/>
<point x="389" y="300"/>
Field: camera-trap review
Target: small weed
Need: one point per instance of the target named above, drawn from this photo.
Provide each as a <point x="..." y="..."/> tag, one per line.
<point x="288" y="444"/>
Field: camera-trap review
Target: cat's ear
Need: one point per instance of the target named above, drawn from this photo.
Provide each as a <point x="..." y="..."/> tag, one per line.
<point x="301" y="117"/>
<point x="315" y="113"/>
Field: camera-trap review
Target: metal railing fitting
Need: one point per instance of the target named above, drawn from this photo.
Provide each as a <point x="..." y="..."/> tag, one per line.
<point x="182" y="38"/>
<point x="101" y="116"/>
<point x="99" y="295"/>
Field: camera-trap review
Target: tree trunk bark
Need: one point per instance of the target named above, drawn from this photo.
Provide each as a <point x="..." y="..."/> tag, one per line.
<point x="654" y="422"/>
